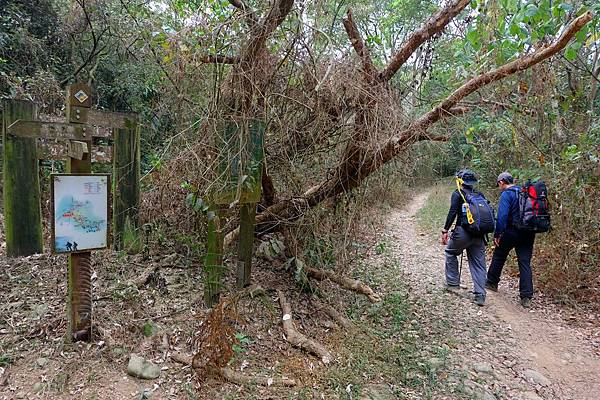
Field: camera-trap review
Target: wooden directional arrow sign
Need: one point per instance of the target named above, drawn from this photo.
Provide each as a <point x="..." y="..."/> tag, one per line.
<point x="50" y="130"/>
<point x="55" y="130"/>
<point x="102" y="118"/>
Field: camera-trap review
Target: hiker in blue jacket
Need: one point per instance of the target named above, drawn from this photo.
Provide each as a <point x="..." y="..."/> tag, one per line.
<point x="460" y="239"/>
<point x="507" y="237"/>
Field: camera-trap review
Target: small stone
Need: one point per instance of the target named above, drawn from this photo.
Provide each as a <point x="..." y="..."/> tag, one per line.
<point x="141" y="368"/>
<point x="483" y="367"/>
<point x="530" y="396"/>
<point x="41" y="362"/>
<point x="38" y="387"/>
<point x="536" y="377"/>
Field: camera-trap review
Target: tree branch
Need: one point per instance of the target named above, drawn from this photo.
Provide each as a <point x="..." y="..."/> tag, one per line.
<point x="249" y="15"/>
<point x="259" y="35"/>
<point x="520" y="64"/>
<point x="218" y="59"/>
<point x="359" y="46"/>
<point x="433" y="25"/>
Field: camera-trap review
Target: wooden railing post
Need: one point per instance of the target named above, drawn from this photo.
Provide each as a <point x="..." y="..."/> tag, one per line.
<point x="21" y="185"/>
<point x="213" y="261"/>
<point x="246" y="244"/>
<point x="126" y="175"/>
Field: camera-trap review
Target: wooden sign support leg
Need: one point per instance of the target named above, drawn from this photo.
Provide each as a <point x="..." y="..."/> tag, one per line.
<point x="247" y="221"/>
<point x="126" y="175"/>
<point x="213" y="262"/>
<point x="79" y="303"/>
<point x="21" y="190"/>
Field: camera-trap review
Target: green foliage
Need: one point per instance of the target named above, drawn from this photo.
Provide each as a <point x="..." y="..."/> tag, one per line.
<point x="132" y="241"/>
<point x="242" y="344"/>
<point x="31" y="43"/>
<point x="149" y="329"/>
<point x="5" y="360"/>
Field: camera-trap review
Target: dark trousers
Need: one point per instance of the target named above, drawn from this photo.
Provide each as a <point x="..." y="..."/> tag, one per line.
<point x="522" y="242"/>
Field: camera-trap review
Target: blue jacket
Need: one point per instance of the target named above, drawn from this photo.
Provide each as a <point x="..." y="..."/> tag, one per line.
<point x="508" y="210"/>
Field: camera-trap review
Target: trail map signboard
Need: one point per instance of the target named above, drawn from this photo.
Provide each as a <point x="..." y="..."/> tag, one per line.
<point x="80" y="212"/>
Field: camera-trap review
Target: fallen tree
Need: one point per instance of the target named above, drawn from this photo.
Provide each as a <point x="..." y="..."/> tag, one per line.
<point x="359" y="161"/>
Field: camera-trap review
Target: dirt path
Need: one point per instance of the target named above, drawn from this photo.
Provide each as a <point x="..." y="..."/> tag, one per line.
<point x="504" y="350"/>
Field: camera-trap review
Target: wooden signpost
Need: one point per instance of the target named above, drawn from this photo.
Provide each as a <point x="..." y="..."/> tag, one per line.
<point x="21" y="129"/>
<point x="239" y="181"/>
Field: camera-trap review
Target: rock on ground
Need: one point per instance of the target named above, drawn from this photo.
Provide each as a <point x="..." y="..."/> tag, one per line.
<point x="141" y="368"/>
<point x="536" y="377"/>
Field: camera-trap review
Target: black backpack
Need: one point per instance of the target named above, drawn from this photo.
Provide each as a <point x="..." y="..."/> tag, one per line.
<point x="534" y="213"/>
<point x="481" y="218"/>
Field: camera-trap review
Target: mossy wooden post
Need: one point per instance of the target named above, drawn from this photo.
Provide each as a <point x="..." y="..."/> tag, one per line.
<point x="246" y="244"/>
<point x="250" y="195"/>
<point x="213" y="261"/>
<point x="126" y="175"/>
<point x="79" y="289"/>
<point x="21" y="185"/>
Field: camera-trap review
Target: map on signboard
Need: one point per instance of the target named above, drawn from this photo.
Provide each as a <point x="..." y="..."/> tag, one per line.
<point x="80" y="205"/>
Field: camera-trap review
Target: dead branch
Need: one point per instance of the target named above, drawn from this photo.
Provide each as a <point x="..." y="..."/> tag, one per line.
<point x="236" y="377"/>
<point x="346" y="283"/>
<point x="433" y="25"/>
<point x="298" y="339"/>
<point x="359" y="46"/>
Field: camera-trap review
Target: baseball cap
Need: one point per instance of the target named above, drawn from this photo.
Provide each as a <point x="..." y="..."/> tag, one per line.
<point x="469" y="178"/>
<point x="506" y="177"/>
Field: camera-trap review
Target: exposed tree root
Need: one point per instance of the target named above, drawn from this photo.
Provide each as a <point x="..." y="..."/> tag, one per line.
<point x="236" y="377"/>
<point x="346" y="283"/>
<point x="298" y="339"/>
<point x="337" y="317"/>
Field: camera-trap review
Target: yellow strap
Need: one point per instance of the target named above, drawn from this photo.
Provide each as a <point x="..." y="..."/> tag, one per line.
<point x="470" y="218"/>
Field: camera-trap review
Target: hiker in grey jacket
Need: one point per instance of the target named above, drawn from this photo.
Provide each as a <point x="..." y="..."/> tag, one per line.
<point x="460" y="239"/>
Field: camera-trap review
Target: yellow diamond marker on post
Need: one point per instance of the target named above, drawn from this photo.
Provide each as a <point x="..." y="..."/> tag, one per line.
<point x="81" y="96"/>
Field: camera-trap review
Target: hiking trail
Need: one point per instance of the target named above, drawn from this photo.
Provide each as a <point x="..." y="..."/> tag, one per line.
<point x="505" y="350"/>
